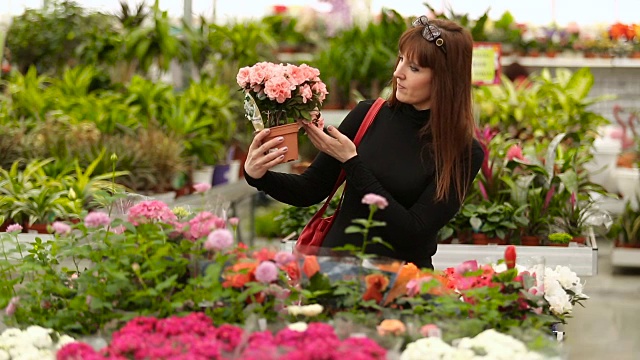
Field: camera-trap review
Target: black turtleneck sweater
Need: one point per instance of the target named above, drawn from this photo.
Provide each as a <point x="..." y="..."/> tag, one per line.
<point x="392" y="162"/>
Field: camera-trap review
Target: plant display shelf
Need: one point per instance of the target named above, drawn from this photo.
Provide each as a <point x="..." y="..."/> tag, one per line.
<point x="572" y="62"/>
<point x="583" y="260"/>
<point x="629" y="257"/>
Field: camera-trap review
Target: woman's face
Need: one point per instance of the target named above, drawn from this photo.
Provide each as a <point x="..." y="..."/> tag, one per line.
<point x="413" y="83"/>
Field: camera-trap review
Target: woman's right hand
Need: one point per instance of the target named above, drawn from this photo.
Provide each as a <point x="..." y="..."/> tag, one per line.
<point x="259" y="158"/>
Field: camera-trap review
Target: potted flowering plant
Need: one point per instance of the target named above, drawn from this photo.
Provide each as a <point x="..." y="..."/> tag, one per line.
<point x="277" y="95"/>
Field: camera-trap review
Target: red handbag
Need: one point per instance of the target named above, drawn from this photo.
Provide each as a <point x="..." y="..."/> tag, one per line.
<point x="316" y="230"/>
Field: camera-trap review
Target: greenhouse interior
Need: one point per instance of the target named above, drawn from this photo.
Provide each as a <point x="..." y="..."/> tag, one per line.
<point x="319" y="179"/>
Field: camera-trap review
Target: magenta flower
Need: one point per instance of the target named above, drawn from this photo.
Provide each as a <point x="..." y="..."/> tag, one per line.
<point x="77" y="351"/>
<point x="150" y="210"/>
<point x="377" y="200"/>
<point x="267" y="272"/>
<point x="61" y="228"/>
<point x="14" y="228"/>
<point x="201" y="188"/>
<point x="515" y="152"/>
<point x="219" y="239"/>
<point x="96" y="219"/>
<point x="12" y="306"/>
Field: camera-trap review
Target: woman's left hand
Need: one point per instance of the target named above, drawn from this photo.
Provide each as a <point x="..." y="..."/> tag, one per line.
<point x="334" y="144"/>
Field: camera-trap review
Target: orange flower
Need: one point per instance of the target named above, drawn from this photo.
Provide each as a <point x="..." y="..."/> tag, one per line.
<point x="376" y="284"/>
<point x="407" y="273"/>
<point x="239" y="274"/>
<point x="391" y="327"/>
<point x="310" y="265"/>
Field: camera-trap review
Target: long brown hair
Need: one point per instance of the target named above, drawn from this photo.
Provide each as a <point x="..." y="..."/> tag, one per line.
<point x="451" y="124"/>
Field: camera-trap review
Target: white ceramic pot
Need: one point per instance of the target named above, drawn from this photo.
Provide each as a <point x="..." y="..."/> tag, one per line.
<point x="203" y="175"/>
<point x="605" y="154"/>
<point x="628" y="181"/>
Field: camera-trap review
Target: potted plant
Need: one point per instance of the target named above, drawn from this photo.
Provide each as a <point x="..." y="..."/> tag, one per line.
<point x="626" y="229"/>
<point x="501" y="220"/>
<point x="277" y="95"/>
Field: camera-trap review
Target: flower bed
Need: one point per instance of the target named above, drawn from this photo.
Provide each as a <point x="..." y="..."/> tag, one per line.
<point x="161" y="263"/>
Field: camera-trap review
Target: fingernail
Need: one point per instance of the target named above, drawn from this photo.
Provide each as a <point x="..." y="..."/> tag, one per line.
<point x="280" y="139"/>
<point x="305" y="122"/>
<point x="267" y="131"/>
<point x="285" y="148"/>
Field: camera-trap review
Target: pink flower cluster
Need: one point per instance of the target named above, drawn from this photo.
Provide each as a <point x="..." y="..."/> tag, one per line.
<point x="202" y="224"/>
<point x="96" y="219"/>
<point x="195" y="337"/>
<point x="283" y="87"/>
<point x="149" y="211"/>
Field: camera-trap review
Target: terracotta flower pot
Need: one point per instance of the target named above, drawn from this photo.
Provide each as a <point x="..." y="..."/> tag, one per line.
<point x="580" y="239"/>
<point x="290" y="134"/>
<point x="530" y="240"/>
<point x="479" y="239"/>
<point x="558" y="244"/>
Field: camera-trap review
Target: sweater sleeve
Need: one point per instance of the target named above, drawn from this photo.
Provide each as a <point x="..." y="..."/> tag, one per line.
<point x="425" y="216"/>
<point x="317" y="181"/>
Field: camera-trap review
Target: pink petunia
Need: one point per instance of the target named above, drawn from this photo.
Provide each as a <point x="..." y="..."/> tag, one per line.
<point x="219" y="239"/>
<point x="14" y="228"/>
<point x="96" y="219"/>
<point x="267" y="272"/>
<point x="377" y="200"/>
<point x="61" y="228"/>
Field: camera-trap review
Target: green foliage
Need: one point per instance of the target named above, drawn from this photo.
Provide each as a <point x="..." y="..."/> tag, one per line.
<point x="626" y="228"/>
<point x="560" y="238"/>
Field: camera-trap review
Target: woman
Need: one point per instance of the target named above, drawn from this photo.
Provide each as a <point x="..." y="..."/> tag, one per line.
<point x="419" y="153"/>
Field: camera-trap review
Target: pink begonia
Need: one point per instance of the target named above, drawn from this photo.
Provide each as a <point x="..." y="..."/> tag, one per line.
<point x="14" y="228"/>
<point x="201" y="187"/>
<point x="12" y="306"/>
<point x="374" y="199"/>
<point x="150" y="210"/>
<point x="284" y="257"/>
<point x="267" y="272"/>
<point x="515" y="152"/>
<point x="202" y="224"/>
<point x="96" y="219"/>
<point x="60" y="228"/>
<point x="234" y="221"/>
<point x="219" y="239"/>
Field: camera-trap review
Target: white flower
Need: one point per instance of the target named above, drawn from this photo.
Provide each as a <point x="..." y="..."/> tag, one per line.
<point x="34" y="343"/>
<point x="40" y="337"/>
<point x="433" y="348"/>
<point x="306" y="310"/>
<point x="299" y="326"/>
